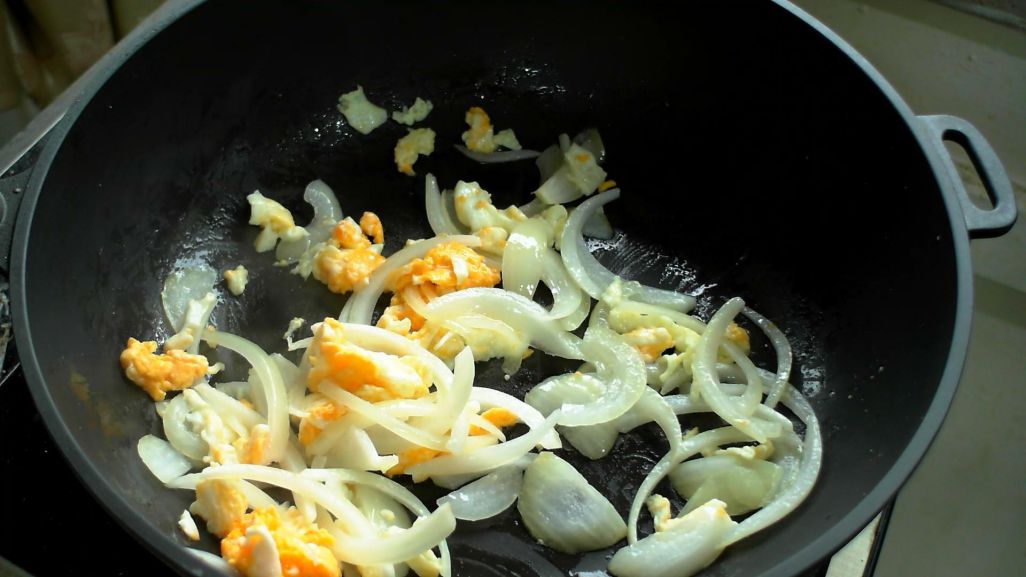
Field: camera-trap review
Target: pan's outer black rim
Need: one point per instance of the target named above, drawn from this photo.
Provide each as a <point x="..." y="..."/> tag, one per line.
<point x="170" y="552"/>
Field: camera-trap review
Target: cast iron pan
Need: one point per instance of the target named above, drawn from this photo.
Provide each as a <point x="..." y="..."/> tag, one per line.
<point x="759" y="156"/>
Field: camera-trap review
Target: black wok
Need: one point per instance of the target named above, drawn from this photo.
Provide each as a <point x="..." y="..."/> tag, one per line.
<point x="759" y="156"/>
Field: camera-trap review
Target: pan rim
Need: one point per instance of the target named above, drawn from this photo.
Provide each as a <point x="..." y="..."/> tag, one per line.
<point x="161" y="544"/>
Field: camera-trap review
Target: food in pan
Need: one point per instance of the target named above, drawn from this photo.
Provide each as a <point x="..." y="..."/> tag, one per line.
<point x="295" y="469"/>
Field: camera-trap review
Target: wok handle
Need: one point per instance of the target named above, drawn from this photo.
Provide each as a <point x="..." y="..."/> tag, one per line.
<point x="981" y="223"/>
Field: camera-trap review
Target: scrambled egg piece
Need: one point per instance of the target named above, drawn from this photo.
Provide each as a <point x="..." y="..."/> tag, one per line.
<point x="359" y="112"/>
<point x="301" y="548"/>
<point x="370" y="375"/>
<point x="221" y="503"/>
<point x="497" y="416"/>
<point x="156" y="374"/>
<point x="481" y="136"/>
<point x="650" y="342"/>
<point x="371" y="226"/>
<point x="419" y="111"/>
<point x="347" y="262"/>
<point x="320" y="411"/>
<point x="445" y="268"/>
<point x="739" y="337"/>
<point x="418" y="141"/>
<point x="474" y="208"/>
<point x="275" y="222"/>
<point x="411" y="457"/>
<point x="236" y="279"/>
<point x="493" y="239"/>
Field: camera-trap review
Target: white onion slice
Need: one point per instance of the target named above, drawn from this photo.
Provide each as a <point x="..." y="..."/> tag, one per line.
<point x="375" y="414"/>
<point x="162" y="459"/>
<point x="525" y="316"/>
<point x="563" y="511"/>
<point x="568" y="301"/>
<point x="589" y="273"/>
<point x="178" y="431"/>
<point x="523" y="256"/>
<point x="525" y="413"/>
<point x="695" y="541"/>
<point x="497" y="156"/>
<point x="619" y="367"/>
<point x="439" y="216"/>
<point x="363" y="549"/>
<point x="792" y="494"/>
<point x="706" y="383"/>
<point x="184" y="285"/>
<point x="364" y="300"/>
<point x="487" y="496"/>
<point x="484" y="459"/>
<point x="327" y="213"/>
<point x="275" y="397"/>
<point x="784" y="358"/>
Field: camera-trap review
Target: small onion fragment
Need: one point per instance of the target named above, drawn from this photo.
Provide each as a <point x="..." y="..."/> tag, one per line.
<point x="498" y="156"/>
<point x="563" y="511"/>
<point x="487" y="496"/>
<point x="691" y="544"/>
<point x="162" y="459"/>
<point x="184" y="285"/>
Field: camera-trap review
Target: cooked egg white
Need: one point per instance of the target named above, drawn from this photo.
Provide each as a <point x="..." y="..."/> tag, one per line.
<point x="419" y="111"/>
<point x="275" y="221"/>
<point x="236" y="279"/>
<point x="481" y="137"/>
<point x="418" y="141"/>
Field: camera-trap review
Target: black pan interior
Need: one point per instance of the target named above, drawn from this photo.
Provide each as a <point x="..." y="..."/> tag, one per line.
<point x="755" y="159"/>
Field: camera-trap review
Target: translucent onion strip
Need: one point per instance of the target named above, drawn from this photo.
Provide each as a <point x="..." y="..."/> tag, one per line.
<point x="487" y="458"/>
<point x="364" y="300"/>
<point x="525" y="413"/>
<point x="525" y="316"/>
<point x="619" y="367"/>
<point x="487" y="496"/>
<point x="273" y="387"/>
<point x="380" y="417"/>
<point x="522" y="259"/>
<point x="706" y="383"/>
<point x="365" y="548"/>
<point x="589" y="273"/>
<point x="497" y="156"/>
<point x="792" y="494"/>
<point x="783" y="350"/>
<point x="438" y="214"/>
<point x="567" y="297"/>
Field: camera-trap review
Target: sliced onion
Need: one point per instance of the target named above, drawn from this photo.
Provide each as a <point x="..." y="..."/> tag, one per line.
<point x="439" y="216"/>
<point x="694" y="542"/>
<point x="380" y="417"/>
<point x="589" y="273"/>
<point x="563" y="511"/>
<point x="364" y="300"/>
<point x="487" y="496"/>
<point x="178" y="431"/>
<point x="706" y="384"/>
<point x="485" y="459"/>
<point x="567" y="297"/>
<point x="327" y="212"/>
<point x="383" y="341"/>
<point x="275" y="397"/>
<point x="365" y="548"/>
<point x="497" y="156"/>
<point x="784" y="358"/>
<point x="598" y="226"/>
<point x="162" y="459"/>
<point x="184" y="285"/>
<point x="622" y="372"/>
<point x="355" y="450"/>
<point x="527" y="317"/>
<point x="523" y="257"/>
<point x="525" y="413"/>
<point x="791" y="494"/>
<point x="549" y="162"/>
